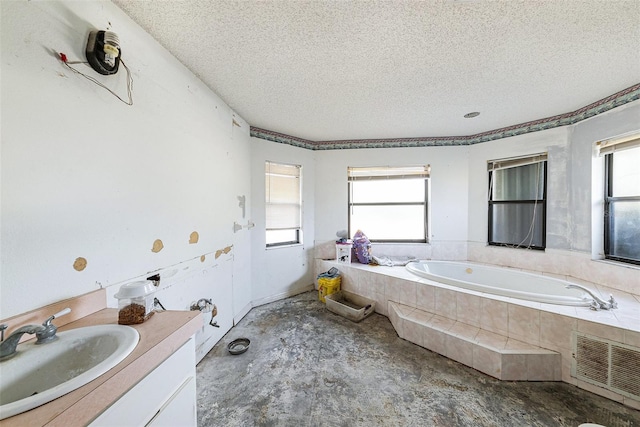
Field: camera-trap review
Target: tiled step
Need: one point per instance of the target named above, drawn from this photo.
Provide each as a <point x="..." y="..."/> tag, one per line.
<point x="495" y="355"/>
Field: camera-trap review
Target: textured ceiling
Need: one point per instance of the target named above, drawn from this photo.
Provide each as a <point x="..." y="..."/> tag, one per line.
<point x="336" y="70"/>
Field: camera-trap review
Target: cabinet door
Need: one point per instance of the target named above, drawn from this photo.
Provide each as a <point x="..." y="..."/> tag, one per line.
<point x="139" y="405"/>
<point x="180" y="410"/>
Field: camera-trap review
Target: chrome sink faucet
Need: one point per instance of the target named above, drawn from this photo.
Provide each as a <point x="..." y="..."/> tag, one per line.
<point x="597" y="303"/>
<point x="45" y="333"/>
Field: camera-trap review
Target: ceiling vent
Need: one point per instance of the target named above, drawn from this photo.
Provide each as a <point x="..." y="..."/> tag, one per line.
<point x="607" y="364"/>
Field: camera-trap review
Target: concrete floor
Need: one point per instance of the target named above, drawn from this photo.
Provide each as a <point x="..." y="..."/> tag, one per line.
<point x="309" y="367"/>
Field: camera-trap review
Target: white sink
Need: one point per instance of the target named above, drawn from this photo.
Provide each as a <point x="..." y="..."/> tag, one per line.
<point x="37" y="374"/>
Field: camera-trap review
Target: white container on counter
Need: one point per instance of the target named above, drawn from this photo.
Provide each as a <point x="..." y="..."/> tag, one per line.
<point x="135" y="302"/>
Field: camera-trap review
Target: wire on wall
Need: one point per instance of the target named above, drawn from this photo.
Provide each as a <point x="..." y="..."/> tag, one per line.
<point x="68" y="63"/>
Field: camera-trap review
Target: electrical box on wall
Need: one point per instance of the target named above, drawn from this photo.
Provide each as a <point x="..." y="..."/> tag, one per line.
<point x="103" y="52"/>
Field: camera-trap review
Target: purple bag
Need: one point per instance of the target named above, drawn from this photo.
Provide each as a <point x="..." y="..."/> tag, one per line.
<point x="361" y="247"/>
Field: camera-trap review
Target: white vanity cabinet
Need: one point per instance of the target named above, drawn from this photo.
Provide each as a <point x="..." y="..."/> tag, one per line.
<point x="165" y="397"/>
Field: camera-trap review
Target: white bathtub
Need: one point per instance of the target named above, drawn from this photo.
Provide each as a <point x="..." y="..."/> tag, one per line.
<point x="500" y="281"/>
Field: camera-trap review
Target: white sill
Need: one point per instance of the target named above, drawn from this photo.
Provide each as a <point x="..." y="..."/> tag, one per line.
<point x="293" y="245"/>
<point x="400" y="243"/>
<point x="617" y="263"/>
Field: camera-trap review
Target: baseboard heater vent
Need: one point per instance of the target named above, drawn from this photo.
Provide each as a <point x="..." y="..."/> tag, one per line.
<point x="607" y="364"/>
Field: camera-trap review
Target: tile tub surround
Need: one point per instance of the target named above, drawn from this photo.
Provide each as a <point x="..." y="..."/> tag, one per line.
<point x="578" y="267"/>
<point x="160" y="336"/>
<point x="493" y="354"/>
<point x="541" y="325"/>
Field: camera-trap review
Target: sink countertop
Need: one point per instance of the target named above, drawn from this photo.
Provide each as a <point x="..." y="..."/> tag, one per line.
<point x="160" y="336"/>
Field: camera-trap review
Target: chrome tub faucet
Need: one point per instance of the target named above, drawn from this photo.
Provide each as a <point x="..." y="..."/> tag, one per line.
<point x="597" y="303"/>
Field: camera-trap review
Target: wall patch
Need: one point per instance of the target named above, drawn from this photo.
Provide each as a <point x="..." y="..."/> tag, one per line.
<point x="226" y="250"/>
<point x="193" y="238"/>
<point x="202" y="258"/>
<point x="157" y="246"/>
<point x="80" y="264"/>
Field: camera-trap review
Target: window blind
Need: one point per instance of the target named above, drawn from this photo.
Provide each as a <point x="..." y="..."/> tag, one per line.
<point x="512" y="162"/>
<point x="619" y="143"/>
<point x="387" y="172"/>
<point x="282" y="196"/>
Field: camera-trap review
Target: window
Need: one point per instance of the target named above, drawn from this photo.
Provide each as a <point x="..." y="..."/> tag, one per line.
<point x="389" y="204"/>
<point x="283" y="204"/>
<point x="517" y="202"/>
<point x="622" y="199"/>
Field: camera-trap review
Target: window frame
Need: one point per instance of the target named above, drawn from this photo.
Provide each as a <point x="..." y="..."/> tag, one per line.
<point x="610" y="200"/>
<point x="513" y="163"/>
<point x="297" y="230"/>
<point x="425" y="203"/>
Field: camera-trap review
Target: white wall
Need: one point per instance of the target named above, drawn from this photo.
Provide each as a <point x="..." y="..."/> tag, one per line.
<point x="241" y="183"/>
<point x="84" y="175"/>
<point x="459" y="199"/>
<point x="553" y="142"/>
<point x="281" y="271"/>
<point x="569" y="187"/>
<point x="449" y="196"/>
<point x="574" y="200"/>
<point x="586" y="188"/>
